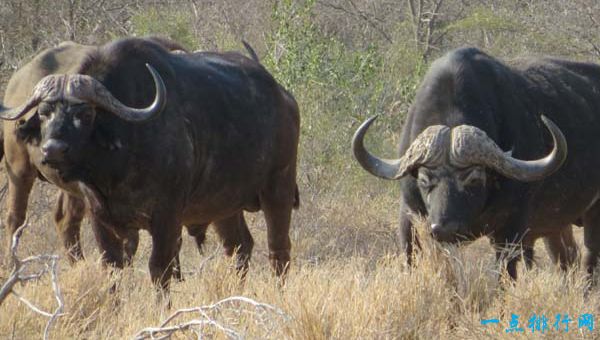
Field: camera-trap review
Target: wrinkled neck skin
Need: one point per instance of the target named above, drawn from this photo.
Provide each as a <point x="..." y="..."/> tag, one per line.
<point x="108" y="170"/>
<point x="504" y="219"/>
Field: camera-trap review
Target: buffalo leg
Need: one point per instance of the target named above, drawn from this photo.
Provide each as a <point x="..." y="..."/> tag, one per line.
<point x="177" y="274"/>
<point x="166" y="235"/>
<point x="562" y="247"/>
<point x="504" y="254"/>
<point x="591" y="239"/>
<point x="198" y="232"/>
<point x="110" y="244"/>
<point x="406" y="235"/>
<point x="526" y="250"/>
<point x="277" y="202"/>
<point x="236" y="239"/>
<point x="511" y="252"/>
<point x="68" y="214"/>
<point x="105" y="229"/>
<point x="131" y="245"/>
<point x="20" y="180"/>
<point x="528" y="256"/>
<point x="513" y="241"/>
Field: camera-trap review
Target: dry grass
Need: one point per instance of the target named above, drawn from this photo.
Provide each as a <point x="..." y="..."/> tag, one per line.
<point x="346" y="282"/>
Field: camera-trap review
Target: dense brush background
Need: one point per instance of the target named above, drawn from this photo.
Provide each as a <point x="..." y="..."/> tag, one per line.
<point x="343" y="60"/>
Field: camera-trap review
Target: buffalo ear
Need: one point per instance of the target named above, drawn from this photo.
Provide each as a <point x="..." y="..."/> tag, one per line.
<point x="29" y="130"/>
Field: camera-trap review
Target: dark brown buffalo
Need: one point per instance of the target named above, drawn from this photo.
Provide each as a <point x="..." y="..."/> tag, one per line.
<point x="217" y="135"/>
<point x="70" y="210"/>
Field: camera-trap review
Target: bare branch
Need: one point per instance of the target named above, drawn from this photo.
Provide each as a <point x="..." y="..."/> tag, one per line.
<point x="32" y="306"/>
<point x="425" y="16"/>
<point x="50" y="263"/>
<point x="362" y="15"/>
<point x="165" y="331"/>
<point x="430" y="25"/>
<point x="369" y="21"/>
<point x="57" y="295"/>
<point x="7" y="286"/>
<point x="13" y="278"/>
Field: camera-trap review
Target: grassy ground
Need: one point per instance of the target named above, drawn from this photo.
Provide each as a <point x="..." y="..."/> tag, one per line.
<point x="346" y="281"/>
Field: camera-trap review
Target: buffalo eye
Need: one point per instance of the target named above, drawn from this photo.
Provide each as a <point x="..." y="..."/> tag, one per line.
<point x="425" y="180"/>
<point x="473" y="176"/>
<point x="45" y="109"/>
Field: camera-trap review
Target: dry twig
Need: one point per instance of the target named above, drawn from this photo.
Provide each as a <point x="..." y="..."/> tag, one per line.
<point x="260" y="310"/>
<point x="18" y="274"/>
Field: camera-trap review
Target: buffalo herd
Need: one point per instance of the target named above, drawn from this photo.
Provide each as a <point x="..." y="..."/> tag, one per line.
<point x="141" y="134"/>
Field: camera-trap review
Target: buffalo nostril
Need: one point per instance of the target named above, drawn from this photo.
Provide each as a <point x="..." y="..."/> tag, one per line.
<point x="54" y="149"/>
<point x="447" y="232"/>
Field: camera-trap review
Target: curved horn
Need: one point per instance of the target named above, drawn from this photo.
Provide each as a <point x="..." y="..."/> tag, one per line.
<point x="384" y="168"/>
<point x="17" y="112"/>
<point x="49" y="86"/>
<point x="103" y="98"/>
<point x="428" y="148"/>
<point x="471" y="145"/>
<point x="84" y="87"/>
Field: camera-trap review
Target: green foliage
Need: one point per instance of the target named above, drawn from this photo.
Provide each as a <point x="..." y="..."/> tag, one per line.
<point x="337" y="87"/>
<point x="172" y="23"/>
<point x="296" y="47"/>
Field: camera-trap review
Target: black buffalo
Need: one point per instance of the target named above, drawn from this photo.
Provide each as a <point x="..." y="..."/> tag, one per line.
<point x="216" y="135"/>
<point x="511" y="152"/>
<point x="69" y="210"/>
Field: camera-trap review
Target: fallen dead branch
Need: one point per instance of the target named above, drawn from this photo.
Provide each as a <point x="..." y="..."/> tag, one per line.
<point x="19" y="273"/>
<point x="264" y="314"/>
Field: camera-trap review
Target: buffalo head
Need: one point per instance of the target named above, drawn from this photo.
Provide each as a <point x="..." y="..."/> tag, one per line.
<point x="66" y="111"/>
<point x="451" y="170"/>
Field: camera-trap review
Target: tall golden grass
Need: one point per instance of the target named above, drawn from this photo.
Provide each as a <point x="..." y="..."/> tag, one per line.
<point x="347" y="281"/>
